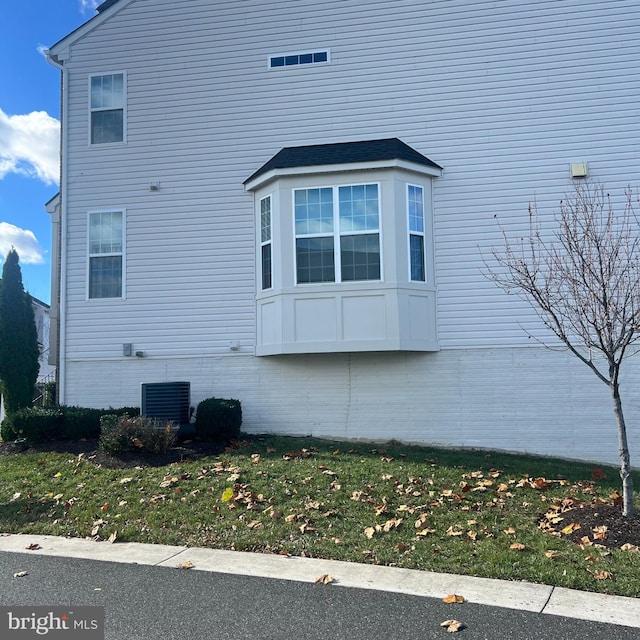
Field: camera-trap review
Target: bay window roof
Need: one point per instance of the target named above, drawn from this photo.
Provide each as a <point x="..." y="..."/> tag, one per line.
<point x="345" y="154"/>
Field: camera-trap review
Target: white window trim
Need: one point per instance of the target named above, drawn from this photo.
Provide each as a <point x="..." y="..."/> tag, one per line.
<point x="269" y="197"/>
<point x="336" y="235"/>
<point x="122" y="253"/>
<point x="417" y="233"/>
<point x="124" y="109"/>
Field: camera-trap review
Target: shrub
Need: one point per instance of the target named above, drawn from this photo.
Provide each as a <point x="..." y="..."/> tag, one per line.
<point x="218" y="419"/>
<point x="50" y="394"/>
<point x="34" y="424"/>
<point x="56" y="423"/>
<point x="121" y="434"/>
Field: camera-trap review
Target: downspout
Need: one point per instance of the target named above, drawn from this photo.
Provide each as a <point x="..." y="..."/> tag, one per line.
<point x="57" y="62"/>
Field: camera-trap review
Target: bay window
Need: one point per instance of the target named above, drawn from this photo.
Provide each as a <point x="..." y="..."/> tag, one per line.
<point x="344" y="249"/>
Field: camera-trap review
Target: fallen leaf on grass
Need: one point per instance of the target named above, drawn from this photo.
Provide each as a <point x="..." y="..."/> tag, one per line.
<point x="125" y="480"/>
<point x="20" y="574"/>
<point x="453" y="598"/>
<point x="551" y="553"/>
<point x="33" y="547"/>
<point x="517" y="546"/>
<point x="452" y="625"/>
<point x="227" y="494"/>
<point x="325" y="578"/>
<point x="187" y="564"/>
<point x="112" y="537"/>
<point x="630" y="547"/>
<point x="601" y="575"/>
<point x="369" y="532"/>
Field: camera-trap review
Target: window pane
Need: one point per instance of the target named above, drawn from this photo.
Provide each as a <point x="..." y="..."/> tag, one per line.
<point x="105" y="232"/>
<point x="306" y="58"/>
<point x="266" y="266"/>
<point x="416" y="209"/>
<point x="359" y="210"/>
<point x="416" y="249"/>
<point x="107" y="126"/>
<point x="289" y="60"/>
<point x="360" y="257"/>
<point x="313" y="211"/>
<point x="105" y="277"/>
<point x="321" y="56"/>
<point x="265" y="219"/>
<point x="315" y="260"/>
<point x="107" y="91"/>
<point x="277" y="62"/>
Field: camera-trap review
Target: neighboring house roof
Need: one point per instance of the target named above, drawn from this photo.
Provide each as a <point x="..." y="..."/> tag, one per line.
<point x="38" y="302"/>
<point x="105" y="5"/>
<point x="343" y="153"/>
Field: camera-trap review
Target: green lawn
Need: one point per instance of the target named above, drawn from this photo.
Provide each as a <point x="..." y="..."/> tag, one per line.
<point x="466" y="512"/>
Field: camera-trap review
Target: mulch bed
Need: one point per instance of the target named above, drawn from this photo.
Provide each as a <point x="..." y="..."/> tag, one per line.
<point x="595" y="524"/>
<point x="188" y="450"/>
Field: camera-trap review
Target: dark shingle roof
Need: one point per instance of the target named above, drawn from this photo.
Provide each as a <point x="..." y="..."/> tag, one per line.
<point x="105" y="5"/>
<point x="343" y="153"/>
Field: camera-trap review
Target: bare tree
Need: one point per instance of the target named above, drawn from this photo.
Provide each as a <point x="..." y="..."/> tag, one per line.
<point x="583" y="280"/>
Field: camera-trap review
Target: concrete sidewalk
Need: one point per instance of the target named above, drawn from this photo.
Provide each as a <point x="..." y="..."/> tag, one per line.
<point x="522" y="596"/>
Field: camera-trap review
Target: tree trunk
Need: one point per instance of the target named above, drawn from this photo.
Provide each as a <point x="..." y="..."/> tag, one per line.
<point x="628" y="507"/>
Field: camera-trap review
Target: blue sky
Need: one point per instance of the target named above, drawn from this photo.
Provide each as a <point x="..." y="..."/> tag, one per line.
<point x="29" y="128"/>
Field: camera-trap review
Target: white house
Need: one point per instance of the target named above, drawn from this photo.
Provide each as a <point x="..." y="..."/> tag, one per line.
<point x="290" y="204"/>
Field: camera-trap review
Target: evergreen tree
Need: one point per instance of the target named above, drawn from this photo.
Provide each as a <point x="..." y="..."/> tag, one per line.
<point x="19" y="349"/>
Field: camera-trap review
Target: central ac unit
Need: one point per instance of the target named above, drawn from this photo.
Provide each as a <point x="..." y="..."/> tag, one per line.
<point x="166" y="401"/>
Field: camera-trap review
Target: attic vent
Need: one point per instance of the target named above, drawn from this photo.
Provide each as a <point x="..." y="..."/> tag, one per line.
<point x="166" y="401"/>
<point x="294" y="59"/>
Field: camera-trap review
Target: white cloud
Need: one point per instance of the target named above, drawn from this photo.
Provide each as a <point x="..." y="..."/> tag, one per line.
<point x="23" y="241"/>
<point x="89" y="4"/>
<point x="30" y="145"/>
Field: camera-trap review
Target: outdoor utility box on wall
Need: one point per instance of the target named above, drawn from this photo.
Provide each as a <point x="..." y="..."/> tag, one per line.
<point x="166" y="401"/>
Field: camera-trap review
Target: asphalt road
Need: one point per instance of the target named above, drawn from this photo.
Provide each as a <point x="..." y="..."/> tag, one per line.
<point x="145" y="602"/>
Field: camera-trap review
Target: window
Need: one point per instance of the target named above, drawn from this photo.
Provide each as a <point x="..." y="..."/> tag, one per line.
<point x="106" y="254"/>
<point x="337" y="233"/>
<point x="294" y="59"/>
<point x="265" y="241"/>
<point x="415" y="209"/>
<point x="107" y="101"/>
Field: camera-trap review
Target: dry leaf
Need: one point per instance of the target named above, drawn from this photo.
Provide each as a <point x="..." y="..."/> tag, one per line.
<point x="33" y="547"/>
<point x="551" y="553"/>
<point x="112" y="537"/>
<point x="452" y="625"/>
<point x="369" y="532"/>
<point x="125" y="480"/>
<point x="570" y="528"/>
<point x="601" y="575"/>
<point x="20" y="574"/>
<point x="510" y="531"/>
<point x="325" y="578"/>
<point x="187" y="564"/>
<point x="517" y="546"/>
<point x="453" y="598"/>
<point x="630" y="547"/>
